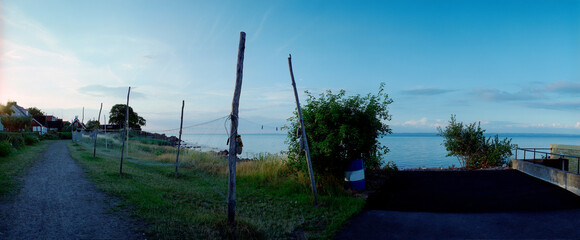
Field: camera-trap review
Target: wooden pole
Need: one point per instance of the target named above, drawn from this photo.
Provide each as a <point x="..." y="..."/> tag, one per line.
<point x="97" y="132"/>
<point x="304" y="138"/>
<point x="105" y="126"/>
<point x="179" y="139"/>
<point x="126" y="132"/>
<point x="234" y="132"/>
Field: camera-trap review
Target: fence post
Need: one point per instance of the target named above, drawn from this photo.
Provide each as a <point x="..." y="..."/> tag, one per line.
<point x="179" y="139"/>
<point x="126" y="132"/>
<point x="97" y="132"/>
<point x="232" y="154"/>
<point x="304" y="138"/>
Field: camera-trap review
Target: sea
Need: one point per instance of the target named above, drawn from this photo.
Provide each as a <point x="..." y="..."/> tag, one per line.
<point x="407" y="150"/>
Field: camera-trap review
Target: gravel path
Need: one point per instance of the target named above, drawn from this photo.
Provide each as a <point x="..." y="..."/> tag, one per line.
<point x="58" y="202"/>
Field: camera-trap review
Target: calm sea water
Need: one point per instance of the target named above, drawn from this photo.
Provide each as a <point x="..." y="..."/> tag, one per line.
<point x="407" y="150"/>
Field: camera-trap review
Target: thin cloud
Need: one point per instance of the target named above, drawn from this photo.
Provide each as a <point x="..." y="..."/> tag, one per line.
<point x="426" y="91"/>
<point x="500" y="96"/>
<point x="104" y="91"/>
<point x="557" y="105"/>
<point x="564" y="87"/>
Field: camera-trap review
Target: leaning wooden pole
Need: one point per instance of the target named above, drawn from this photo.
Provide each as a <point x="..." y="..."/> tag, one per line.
<point x="97" y="132"/>
<point x="179" y="139"/>
<point x="304" y="138"/>
<point x="232" y="154"/>
<point x="126" y="130"/>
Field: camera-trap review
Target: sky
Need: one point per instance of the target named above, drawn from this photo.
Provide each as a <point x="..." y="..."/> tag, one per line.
<point x="513" y="66"/>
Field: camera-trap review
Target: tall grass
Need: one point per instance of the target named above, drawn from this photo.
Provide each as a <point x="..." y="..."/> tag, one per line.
<point x="272" y="202"/>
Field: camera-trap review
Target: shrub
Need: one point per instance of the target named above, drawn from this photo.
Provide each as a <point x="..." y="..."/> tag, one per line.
<point x="30" y="139"/>
<point x="65" y="135"/>
<point x="340" y="129"/>
<point x="470" y="146"/>
<point x="17" y="141"/>
<point x="49" y="136"/>
<point x="5" y="148"/>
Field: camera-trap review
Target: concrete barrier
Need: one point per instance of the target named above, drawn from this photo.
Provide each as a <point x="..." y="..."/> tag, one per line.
<point x="567" y="180"/>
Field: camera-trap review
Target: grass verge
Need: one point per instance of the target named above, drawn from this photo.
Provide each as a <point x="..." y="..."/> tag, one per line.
<point x="271" y="203"/>
<point x="16" y="164"/>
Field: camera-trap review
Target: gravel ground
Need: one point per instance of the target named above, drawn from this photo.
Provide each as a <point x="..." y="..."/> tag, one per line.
<point x="58" y="202"/>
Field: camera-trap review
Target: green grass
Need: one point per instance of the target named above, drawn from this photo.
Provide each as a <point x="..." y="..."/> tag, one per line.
<point x="271" y="202"/>
<point x="16" y="164"/>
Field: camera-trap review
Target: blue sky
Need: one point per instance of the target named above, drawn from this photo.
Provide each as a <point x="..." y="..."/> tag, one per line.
<point x="512" y="65"/>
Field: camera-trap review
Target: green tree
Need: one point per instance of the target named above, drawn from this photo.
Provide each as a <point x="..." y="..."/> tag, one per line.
<point x="472" y="148"/>
<point x="7" y="109"/>
<point x="340" y="129"/>
<point x="35" y="112"/>
<point x="92" y="125"/>
<point x="16" y="123"/>
<point x="117" y="116"/>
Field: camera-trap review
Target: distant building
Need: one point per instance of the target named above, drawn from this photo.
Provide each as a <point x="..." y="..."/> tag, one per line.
<point x="78" y="124"/>
<point x="51" y="123"/>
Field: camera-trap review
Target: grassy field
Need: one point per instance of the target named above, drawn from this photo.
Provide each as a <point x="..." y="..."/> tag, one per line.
<point x="272" y="203"/>
<point x="16" y="165"/>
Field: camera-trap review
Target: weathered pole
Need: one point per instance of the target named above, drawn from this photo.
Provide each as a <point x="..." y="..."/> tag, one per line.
<point x="179" y="139"/>
<point x="304" y="138"/>
<point x="232" y="154"/>
<point x="105" y="127"/>
<point x="97" y="132"/>
<point x="126" y="130"/>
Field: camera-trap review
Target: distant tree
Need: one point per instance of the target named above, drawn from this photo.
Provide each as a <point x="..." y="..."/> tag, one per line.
<point x="66" y="126"/>
<point x="7" y="109"/>
<point x="92" y="125"/>
<point x="35" y="112"/>
<point x="16" y="123"/>
<point x="341" y="129"/>
<point x="117" y="116"/>
<point x="472" y="148"/>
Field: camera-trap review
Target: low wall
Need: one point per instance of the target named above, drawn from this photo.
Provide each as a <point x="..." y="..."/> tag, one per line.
<point x="570" y="150"/>
<point x="566" y="180"/>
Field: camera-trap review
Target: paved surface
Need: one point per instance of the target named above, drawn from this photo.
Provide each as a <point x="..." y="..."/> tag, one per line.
<point x="490" y="204"/>
<point x="58" y="202"/>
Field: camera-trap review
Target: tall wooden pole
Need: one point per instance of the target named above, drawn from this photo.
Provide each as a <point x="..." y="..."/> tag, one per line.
<point x="232" y="154"/>
<point x="97" y="131"/>
<point x="105" y="127"/>
<point x="304" y="138"/>
<point x="126" y="130"/>
<point x="179" y="140"/>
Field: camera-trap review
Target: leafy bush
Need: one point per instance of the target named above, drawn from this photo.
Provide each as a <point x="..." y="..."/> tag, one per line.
<point x="30" y="139"/>
<point x="16" y="140"/>
<point x="65" y="135"/>
<point x="50" y="136"/>
<point x="470" y="146"/>
<point x="5" y="148"/>
<point x="340" y="129"/>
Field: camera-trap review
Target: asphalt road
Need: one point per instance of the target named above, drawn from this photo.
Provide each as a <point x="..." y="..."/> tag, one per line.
<point x="496" y="204"/>
<point x="58" y="202"/>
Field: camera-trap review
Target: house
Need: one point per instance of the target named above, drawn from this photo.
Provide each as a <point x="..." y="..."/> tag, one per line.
<point x="52" y="123"/>
<point x="38" y="127"/>
<point x="18" y="111"/>
<point x="77" y="124"/>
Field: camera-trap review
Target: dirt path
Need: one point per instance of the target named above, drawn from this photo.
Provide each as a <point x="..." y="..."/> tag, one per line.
<point x="58" y="202"/>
